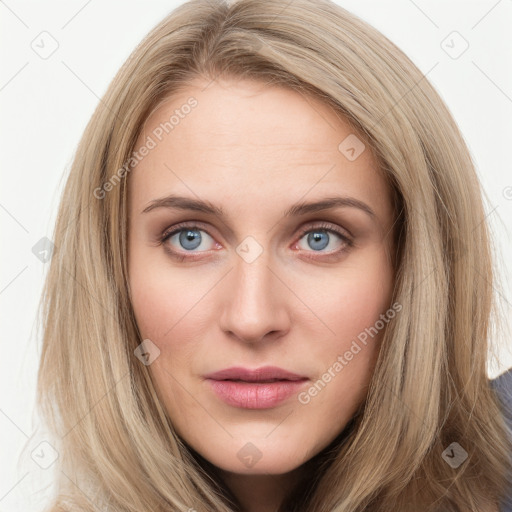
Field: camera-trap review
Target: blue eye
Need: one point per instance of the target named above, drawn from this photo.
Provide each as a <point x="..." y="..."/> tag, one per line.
<point x="189" y="238"/>
<point x="319" y="237"/>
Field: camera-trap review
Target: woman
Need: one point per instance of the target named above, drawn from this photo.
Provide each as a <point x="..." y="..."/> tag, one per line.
<point x="272" y="281"/>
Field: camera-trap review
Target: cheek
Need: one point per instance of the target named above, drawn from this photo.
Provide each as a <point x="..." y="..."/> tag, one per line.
<point x="353" y="304"/>
<point x="160" y="299"/>
<point x="150" y="299"/>
<point x="160" y="293"/>
<point x="354" y="299"/>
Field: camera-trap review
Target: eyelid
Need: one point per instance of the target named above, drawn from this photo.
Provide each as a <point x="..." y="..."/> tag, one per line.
<point x="327" y="226"/>
<point x="302" y="230"/>
<point x="180" y="226"/>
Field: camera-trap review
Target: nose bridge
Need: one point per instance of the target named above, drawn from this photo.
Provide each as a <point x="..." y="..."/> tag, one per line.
<point x="254" y="305"/>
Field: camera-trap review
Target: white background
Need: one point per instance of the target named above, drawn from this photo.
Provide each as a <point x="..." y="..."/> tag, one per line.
<point x="46" y="103"/>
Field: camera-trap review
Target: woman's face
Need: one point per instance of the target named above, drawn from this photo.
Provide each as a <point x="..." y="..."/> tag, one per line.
<point x="250" y="277"/>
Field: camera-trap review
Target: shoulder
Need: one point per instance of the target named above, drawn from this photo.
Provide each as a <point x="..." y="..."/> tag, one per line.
<point x="503" y="388"/>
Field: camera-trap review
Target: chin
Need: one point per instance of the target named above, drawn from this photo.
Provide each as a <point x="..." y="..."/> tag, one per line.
<point x="252" y="456"/>
<point x="273" y="465"/>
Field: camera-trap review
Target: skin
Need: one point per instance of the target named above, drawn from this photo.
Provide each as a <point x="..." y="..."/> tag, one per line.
<point x="255" y="150"/>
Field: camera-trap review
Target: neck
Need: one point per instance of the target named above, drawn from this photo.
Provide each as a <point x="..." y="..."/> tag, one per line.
<point x="261" y="493"/>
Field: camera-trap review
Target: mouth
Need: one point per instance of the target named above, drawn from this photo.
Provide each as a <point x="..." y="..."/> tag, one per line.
<point x="263" y="388"/>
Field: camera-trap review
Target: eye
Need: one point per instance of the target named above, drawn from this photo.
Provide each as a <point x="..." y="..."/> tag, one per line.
<point x="186" y="238"/>
<point x="322" y="236"/>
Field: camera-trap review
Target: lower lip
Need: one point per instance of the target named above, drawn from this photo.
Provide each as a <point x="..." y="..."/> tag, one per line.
<point x="252" y="395"/>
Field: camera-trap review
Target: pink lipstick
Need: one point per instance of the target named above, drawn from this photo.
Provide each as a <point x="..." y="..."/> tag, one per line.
<point x="262" y="388"/>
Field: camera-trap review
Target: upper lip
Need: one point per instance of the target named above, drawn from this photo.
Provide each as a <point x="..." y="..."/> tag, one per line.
<point x="257" y="375"/>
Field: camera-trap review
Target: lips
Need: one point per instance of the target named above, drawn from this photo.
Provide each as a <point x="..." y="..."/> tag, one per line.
<point x="264" y="374"/>
<point x="262" y="388"/>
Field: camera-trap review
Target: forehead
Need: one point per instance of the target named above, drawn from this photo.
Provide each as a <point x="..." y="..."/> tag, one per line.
<point x="252" y="142"/>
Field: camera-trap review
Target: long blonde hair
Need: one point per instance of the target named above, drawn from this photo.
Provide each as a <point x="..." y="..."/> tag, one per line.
<point x="118" y="449"/>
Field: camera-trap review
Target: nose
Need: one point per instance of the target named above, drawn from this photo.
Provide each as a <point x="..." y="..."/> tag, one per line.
<point x="254" y="302"/>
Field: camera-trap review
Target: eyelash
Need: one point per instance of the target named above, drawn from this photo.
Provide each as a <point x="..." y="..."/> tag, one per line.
<point x="330" y="228"/>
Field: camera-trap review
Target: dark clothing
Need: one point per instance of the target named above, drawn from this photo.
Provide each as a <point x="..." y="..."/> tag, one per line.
<point x="503" y="386"/>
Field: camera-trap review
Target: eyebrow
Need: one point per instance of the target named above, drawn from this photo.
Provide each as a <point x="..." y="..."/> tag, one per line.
<point x="301" y="208"/>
